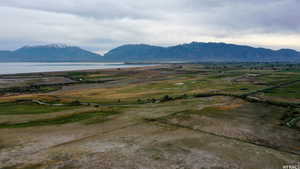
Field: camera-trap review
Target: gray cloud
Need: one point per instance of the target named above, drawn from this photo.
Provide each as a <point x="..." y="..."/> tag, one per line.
<point x="100" y="25"/>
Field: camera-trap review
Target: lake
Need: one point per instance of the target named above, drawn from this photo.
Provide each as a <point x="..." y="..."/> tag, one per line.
<point x="30" y="67"/>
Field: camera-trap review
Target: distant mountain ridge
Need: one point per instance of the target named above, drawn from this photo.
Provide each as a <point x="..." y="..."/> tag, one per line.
<point x="191" y="52"/>
<point x="49" y="53"/>
<point x="198" y="51"/>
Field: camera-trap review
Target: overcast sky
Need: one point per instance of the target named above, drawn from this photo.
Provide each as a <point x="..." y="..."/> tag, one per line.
<point x="100" y="25"/>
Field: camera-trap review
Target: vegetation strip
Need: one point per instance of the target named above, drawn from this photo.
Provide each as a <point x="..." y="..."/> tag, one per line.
<point x="271" y="88"/>
<point x="61" y="119"/>
<point x="15" y="108"/>
<point x="243" y="97"/>
<point x="44" y="87"/>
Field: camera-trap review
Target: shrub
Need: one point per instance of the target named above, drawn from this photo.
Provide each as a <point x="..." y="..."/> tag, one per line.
<point x="166" y="98"/>
<point x="75" y="103"/>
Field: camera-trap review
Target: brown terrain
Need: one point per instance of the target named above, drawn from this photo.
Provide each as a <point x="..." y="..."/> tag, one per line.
<point x="172" y="116"/>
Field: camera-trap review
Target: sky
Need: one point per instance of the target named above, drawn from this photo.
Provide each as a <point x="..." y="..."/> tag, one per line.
<point x="101" y="25"/>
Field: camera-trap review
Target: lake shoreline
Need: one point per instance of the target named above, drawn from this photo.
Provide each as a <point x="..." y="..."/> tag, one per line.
<point x="38" y="68"/>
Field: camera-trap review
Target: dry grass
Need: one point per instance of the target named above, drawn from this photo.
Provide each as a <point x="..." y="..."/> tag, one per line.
<point x="230" y="106"/>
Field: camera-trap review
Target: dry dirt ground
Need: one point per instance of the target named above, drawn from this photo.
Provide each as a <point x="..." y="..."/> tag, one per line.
<point x="218" y="132"/>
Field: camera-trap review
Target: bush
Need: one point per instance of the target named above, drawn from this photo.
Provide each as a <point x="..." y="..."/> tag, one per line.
<point x="75" y="103"/>
<point x="166" y="98"/>
<point x="184" y="96"/>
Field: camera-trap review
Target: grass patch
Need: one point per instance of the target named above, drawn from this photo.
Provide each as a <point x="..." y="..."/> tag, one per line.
<point x="46" y="89"/>
<point x="10" y="167"/>
<point x="77" y="75"/>
<point x="72" y="118"/>
<point x="31" y="166"/>
<point x="291" y="91"/>
<point x="276" y="78"/>
<point x="18" y="108"/>
<point x="102" y="76"/>
<point x="241" y="88"/>
<point x="86" y="76"/>
<point x="226" y="74"/>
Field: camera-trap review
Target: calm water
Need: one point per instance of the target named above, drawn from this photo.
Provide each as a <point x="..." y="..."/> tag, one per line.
<point x="25" y="67"/>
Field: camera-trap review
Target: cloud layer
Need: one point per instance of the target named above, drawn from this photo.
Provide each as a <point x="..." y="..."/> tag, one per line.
<point x="100" y="25"/>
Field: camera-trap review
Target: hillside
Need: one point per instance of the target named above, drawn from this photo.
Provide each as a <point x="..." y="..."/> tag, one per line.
<point x="197" y="51"/>
<point x="48" y="53"/>
<point x="192" y="52"/>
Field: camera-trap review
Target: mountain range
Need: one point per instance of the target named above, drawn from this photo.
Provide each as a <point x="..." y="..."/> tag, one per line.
<point x="48" y="53"/>
<point x="191" y="52"/>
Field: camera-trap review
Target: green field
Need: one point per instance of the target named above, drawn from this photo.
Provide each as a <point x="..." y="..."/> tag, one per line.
<point x="27" y="108"/>
<point x="94" y="117"/>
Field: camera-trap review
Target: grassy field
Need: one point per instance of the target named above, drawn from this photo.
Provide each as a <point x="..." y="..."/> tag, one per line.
<point x="291" y="91"/>
<point x="238" y="115"/>
<point x="30" y="108"/>
<point x="93" y="117"/>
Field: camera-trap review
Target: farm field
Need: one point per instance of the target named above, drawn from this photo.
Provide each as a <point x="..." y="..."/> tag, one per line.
<point x="169" y="116"/>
